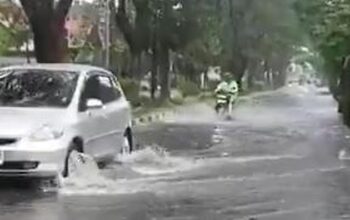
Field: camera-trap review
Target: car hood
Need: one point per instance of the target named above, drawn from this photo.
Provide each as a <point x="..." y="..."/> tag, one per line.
<point x="17" y="122"/>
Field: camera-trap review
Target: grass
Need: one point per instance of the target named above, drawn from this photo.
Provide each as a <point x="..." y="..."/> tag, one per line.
<point x="152" y="107"/>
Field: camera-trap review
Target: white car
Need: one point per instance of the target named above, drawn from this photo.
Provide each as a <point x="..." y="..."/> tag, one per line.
<point x="49" y="110"/>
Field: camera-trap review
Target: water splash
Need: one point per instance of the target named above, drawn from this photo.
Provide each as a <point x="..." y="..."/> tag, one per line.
<point x="343" y="155"/>
<point x="83" y="173"/>
<point x="151" y="164"/>
<point x="155" y="160"/>
<point x="217" y="139"/>
<point x="85" y="178"/>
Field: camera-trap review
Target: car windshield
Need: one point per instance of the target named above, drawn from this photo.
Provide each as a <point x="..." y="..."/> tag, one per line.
<point x="37" y="88"/>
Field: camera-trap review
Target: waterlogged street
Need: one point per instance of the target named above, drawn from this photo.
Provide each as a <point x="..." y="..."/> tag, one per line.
<point x="283" y="156"/>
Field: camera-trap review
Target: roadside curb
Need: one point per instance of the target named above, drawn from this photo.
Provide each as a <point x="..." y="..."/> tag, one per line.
<point x="153" y="117"/>
<point x="160" y="115"/>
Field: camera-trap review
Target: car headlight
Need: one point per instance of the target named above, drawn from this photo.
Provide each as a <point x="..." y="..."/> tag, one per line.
<point x="46" y="133"/>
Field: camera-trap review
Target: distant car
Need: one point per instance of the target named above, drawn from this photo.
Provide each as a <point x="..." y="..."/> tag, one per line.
<point x="49" y="110"/>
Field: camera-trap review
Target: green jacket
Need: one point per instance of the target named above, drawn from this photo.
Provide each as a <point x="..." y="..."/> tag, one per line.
<point x="227" y="88"/>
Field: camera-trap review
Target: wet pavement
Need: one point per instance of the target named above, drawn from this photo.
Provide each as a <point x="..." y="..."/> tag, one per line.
<point x="283" y="156"/>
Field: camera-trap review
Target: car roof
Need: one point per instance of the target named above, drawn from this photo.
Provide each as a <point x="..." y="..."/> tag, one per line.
<point x="58" y="66"/>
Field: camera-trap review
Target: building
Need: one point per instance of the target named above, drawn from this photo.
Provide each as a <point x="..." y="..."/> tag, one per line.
<point x="79" y="22"/>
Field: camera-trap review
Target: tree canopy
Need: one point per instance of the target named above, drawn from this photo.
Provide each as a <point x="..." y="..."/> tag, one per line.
<point x="244" y="37"/>
<point x="327" y="23"/>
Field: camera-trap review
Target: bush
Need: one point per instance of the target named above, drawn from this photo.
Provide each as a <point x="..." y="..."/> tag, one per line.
<point x="187" y="87"/>
<point x="145" y="101"/>
<point x="206" y="95"/>
<point x="177" y="97"/>
<point x="131" y="90"/>
<point x="212" y="85"/>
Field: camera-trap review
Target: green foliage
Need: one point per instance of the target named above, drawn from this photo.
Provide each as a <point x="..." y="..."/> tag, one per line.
<point x="177" y="100"/>
<point x="206" y="95"/>
<point x="253" y="31"/>
<point x="5" y="39"/>
<point x="131" y="90"/>
<point x="327" y="22"/>
<point x="14" y="22"/>
<point x="233" y="34"/>
<point x="187" y="87"/>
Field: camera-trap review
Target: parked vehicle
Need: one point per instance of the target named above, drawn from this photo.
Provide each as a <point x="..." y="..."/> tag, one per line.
<point x="49" y="110"/>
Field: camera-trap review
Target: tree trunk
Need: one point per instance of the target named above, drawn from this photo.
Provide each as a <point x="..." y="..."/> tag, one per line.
<point x="253" y="68"/>
<point x="134" y="67"/>
<point x="275" y="79"/>
<point x="267" y="75"/>
<point x="139" y="73"/>
<point x="337" y="90"/>
<point x="164" y="73"/>
<point x="50" y="42"/>
<point x="27" y="50"/>
<point x="154" y="74"/>
<point x="345" y="104"/>
<point x="47" y="21"/>
<point x="124" y="23"/>
<point x="280" y="78"/>
<point x="335" y="85"/>
<point x="345" y="92"/>
<point x="250" y="80"/>
<point x="241" y="69"/>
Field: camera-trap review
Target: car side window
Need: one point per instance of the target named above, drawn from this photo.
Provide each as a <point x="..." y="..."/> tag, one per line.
<point x="99" y="86"/>
<point x="91" y="91"/>
<point x="108" y="91"/>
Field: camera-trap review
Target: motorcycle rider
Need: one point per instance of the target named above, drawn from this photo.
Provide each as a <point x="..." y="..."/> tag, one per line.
<point x="226" y="93"/>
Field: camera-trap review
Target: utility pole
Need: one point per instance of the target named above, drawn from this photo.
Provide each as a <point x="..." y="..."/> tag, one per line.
<point x="108" y="35"/>
<point x="104" y="29"/>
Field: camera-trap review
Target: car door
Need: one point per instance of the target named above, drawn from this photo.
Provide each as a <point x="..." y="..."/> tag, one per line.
<point x="116" y="111"/>
<point x="125" y="107"/>
<point x="91" y="122"/>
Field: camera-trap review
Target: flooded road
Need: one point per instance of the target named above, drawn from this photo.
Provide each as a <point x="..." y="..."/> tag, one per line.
<point x="283" y="156"/>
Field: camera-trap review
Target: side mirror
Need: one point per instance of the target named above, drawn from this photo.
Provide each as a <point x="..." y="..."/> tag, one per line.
<point x="94" y="104"/>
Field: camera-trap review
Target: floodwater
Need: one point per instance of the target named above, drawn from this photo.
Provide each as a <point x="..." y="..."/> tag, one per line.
<point x="283" y="156"/>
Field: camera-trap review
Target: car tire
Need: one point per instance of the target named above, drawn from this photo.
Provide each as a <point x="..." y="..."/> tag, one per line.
<point x="128" y="145"/>
<point x="72" y="147"/>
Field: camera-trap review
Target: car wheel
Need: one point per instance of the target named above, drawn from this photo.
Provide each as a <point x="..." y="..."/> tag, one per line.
<point x="72" y="147"/>
<point x="128" y="144"/>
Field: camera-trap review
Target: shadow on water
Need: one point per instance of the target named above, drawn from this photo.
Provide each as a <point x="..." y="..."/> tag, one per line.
<point x="15" y="191"/>
<point x="17" y="183"/>
<point x="178" y="137"/>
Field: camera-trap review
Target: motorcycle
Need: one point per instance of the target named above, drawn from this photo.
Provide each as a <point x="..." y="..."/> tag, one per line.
<point x="225" y="107"/>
